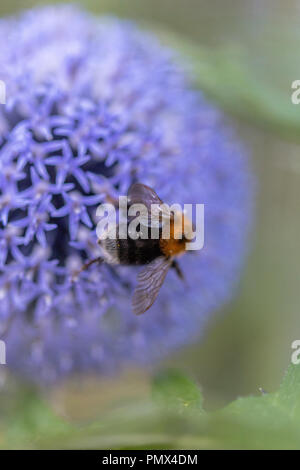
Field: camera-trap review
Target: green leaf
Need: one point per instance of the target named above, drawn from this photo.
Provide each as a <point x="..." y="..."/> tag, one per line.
<point x="270" y="421"/>
<point x="31" y="421"/>
<point x="176" y="390"/>
<point x="172" y="419"/>
<point x="288" y="396"/>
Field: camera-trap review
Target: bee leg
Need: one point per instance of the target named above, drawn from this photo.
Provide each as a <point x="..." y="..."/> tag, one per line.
<point x="176" y="266"/>
<point x="112" y="200"/>
<point x="86" y="266"/>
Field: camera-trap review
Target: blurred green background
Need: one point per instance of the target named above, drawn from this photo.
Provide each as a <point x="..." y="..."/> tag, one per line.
<point x="249" y="344"/>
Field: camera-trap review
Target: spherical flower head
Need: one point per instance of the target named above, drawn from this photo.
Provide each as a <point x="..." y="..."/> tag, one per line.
<point x="92" y="106"/>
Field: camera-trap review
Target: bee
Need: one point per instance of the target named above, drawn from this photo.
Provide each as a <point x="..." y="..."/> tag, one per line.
<point x="157" y="255"/>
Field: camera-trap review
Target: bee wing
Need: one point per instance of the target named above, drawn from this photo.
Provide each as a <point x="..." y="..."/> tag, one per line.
<point x="139" y="193"/>
<point x="150" y="280"/>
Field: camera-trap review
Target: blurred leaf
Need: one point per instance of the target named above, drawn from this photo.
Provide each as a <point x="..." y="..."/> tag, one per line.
<point x="229" y="77"/>
<point x="31" y="420"/>
<point x="174" y="389"/>
<point x="173" y="420"/>
<point x="288" y="396"/>
<point x="271" y="421"/>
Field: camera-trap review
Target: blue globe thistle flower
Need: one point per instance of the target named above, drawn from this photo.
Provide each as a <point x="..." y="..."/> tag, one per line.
<point x="90" y="109"/>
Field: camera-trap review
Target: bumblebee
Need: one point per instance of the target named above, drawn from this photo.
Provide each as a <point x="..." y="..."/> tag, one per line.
<point x="157" y="255"/>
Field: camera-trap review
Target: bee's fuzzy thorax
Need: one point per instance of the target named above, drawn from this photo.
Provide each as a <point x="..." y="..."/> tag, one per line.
<point x="175" y="245"/>
<point x="172" y="247"/>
